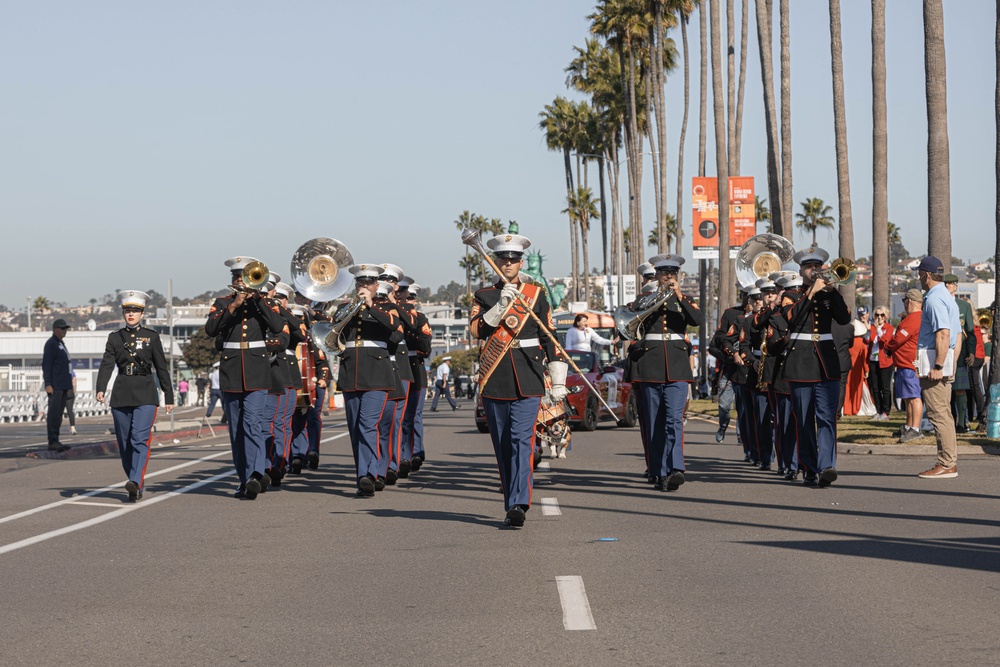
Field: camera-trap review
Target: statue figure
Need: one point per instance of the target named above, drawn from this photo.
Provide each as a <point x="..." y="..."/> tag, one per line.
<point x="534" y="269"/>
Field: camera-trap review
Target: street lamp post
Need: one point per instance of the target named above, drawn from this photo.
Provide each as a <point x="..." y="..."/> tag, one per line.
<point x="28" y="310"/>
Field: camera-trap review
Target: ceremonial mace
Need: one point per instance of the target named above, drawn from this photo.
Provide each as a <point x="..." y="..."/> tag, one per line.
<point x="470" y="237"/>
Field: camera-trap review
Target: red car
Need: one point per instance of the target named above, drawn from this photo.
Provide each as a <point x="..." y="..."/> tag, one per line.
<point x="586" y="410"/>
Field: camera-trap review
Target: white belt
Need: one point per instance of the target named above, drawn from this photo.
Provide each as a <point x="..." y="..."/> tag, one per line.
<point x="757" y="353"/>
<point x="525" y="342"/>
<point x="670" y="336"/>
<point x="366" y="343"/>
<point x="412" y="353"/>
<point x="243" y="345"/>
<point x="290" y="352"/>
<point x="812" y="337"/>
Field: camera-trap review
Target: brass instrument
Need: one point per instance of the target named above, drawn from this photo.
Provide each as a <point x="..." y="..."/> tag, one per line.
<point x="840" y="272"/>
<point x="326" y="336"/>
<point x="761" y="256"/>
<point x="255" y="276"/>
<point x="761" y="380"/>
<point x="320" y="269"/>
<point x="985" y="318"/>
<point x="629" y="322"/>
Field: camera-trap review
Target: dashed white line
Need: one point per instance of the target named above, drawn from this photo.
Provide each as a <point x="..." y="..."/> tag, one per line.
<point x="576" y="607"/>
<point x="550" y="507"/>
<point x="92" y="504"/>
<point x="14" y="546"/>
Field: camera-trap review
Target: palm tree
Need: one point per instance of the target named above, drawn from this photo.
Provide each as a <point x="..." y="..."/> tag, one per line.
<point x="786" y="114"/>
<point x="703" y="88"/>
<point x="763" y="212"/>
<point x="938" y="173"/>
<point x="582" y="207"/>
<point x="683" y="9"/>
<point x="726" y="285"/>
<point x="880" y="179"/>
<point x="738" y="133"/>
<point x="558" y="124"/>
<point x="894" y="242"/>
<point x="815" y="214"/>
<point x="764" y="43"/>
<point x="849" y="292"/>
<point x="995" y="332"/>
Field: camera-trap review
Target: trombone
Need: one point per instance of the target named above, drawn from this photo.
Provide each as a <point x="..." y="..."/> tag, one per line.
<point x="254" y="278"/>
<point x="841" y="271"/>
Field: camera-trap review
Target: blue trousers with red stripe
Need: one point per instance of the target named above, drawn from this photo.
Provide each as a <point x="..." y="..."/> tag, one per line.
<point x="784" y="420"/>
<point x="363" y="410"/>
<point x="314" y="419"/>
<point x="412" y="429"/>
<point x="512" y="430"/>
<point x="745" y="420"/>
<point x="274" y="427"/>
<point x="133" y="426"/>
<point x="763" y="426"/>
<point x="245" y="413"/>
<point x="815" y="405"/>
<point x="663" y="407"/>
<point x="385" y="436"/>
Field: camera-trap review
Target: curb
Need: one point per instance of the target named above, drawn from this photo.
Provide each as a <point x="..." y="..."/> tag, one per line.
<point x="105" y="447"/>
<point x="894" y="450"/>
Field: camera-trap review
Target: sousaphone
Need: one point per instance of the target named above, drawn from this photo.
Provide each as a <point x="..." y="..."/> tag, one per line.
<point x="320" y="269"/>
<point x="761" y="256"/>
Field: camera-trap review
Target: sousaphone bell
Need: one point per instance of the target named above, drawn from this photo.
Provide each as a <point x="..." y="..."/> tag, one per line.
<point x="761" y="256"/>
<point x="320" y="269"/>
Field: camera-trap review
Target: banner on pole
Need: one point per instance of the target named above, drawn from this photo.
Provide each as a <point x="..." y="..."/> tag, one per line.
<point x="705" y="215"/>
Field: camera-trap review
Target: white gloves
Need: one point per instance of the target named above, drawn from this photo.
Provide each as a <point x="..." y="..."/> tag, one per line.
<point x="557" y="372"/>
<point x="507" y="295"/>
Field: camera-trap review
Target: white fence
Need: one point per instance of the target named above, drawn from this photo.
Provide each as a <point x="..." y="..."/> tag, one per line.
<point x="23" y="406"/>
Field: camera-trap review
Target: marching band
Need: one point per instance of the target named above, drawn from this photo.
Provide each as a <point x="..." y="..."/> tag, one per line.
<point x="276" y="340"/>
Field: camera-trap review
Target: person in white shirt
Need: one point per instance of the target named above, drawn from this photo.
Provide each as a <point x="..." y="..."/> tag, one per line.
<point x="580" y="337"/>
<point x="441" y="385"/>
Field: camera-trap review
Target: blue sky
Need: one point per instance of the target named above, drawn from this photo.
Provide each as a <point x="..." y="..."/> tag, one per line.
<point x="147" y="141"/>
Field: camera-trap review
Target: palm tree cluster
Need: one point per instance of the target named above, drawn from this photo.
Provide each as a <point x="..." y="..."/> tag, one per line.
<point x="621" y="71"/>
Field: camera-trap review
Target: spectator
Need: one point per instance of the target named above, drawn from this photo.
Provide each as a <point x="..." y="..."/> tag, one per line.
<point x="441" y="385"/>
<point x="58" y="382"/>
<point x="182" y="389"/>
<point x="964" y="349"/>
<point x="880" y="365"/>
<point x="936" y="349"/>
<point x="215" y="393"/>
<point x="976" y="379"/>
<point x="901" y="347"/>
<point x="201" y="383"/>
<point x="843" y="339"/>
<point x="580" y="337"/>
<point x="854" y="388"/>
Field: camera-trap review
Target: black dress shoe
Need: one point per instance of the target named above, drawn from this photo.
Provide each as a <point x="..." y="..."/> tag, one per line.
<point x="276" y="475"/>
<point x="416" y="462"/>
<point x="746" y="458"/>
<point x="379" y="483"/>
<point x="515" y="517"/>
<point x="657" y="482"/>
<point x="404" y="469"/>
<point x="391" y="477"/>
<point x="133" y="491"/>
<point x="366" y="486"/>
<point x="240" y="492"/>
<point x="312" y="459"/>
<point x="781" y="471"/>
<point x="791" y="474"/>
<point x="674" y="480"/>
<point x="827" y="476"/>
<point x="265" y="482"/>
<point x="810" y="480"/>
<point x="58" y="447"/>
<point x="296" y="466"/>
<point x="764" y="466"/>
<point x="253" y="488"/>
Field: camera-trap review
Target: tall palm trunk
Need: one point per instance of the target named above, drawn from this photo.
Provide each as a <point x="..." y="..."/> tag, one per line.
<point x="656" y="61"/>
<point x="680" y="144"/>
<point x="730" y="89"/>
<point x="574" y="266"/>
<point x="584" y="229"/>
<point x="764" y="44"/>
<point x="658" y="199"/>
<point x="938" y="173"/>
<point x="995" y="332"/>
<point x="786" y="113"/>
<point x="849" y="292"/>
<point x="635" y="189"/>
<point x="726" y="287"/>
<point x="880" y="211"/>
<point x="604" y="216"/>
<point x="703" y="88"/>
<point x="734" y="148"/>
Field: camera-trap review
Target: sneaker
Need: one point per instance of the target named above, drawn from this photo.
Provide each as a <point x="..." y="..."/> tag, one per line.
<point x="719" y="435"/>
<point x="72" y="430"/>
<point x="939" y="472"/>
<point x="910" y="434"/>
<point x="877" y="417"/>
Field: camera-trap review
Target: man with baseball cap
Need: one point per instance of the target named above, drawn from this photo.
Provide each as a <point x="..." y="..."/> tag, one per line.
<point x="58" y="380"/>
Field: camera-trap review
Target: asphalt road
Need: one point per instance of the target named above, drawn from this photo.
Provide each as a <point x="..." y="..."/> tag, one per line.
<point x="736" y="568"/>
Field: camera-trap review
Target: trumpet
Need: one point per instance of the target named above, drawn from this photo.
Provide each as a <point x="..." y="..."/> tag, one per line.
<point x="254" y="278"/>
<point x="985" y="318"/>
<point x="840" y="272"/>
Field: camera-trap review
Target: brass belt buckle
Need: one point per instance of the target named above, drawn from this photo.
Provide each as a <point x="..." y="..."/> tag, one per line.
<point x="244" y="345"/>
<point x="515" y="343"/>
<point x="815" y="337"/>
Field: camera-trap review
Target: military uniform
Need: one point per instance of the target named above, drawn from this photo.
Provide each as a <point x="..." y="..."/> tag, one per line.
<point x="513" y="380"/>
<point x="137" y="354"/>
<point x="417" y="333"/>
<point x="661" y="372"/>
<point x="245" y="375"/>
<point x="367" y="376"/>
<point x="722" y="346"/>
<point x="390" y="425"/>
<point x="755" y="326"/>
<point x="785" y="438"/>
<point x="812" y="368"/>
<point x="288" y="379"/>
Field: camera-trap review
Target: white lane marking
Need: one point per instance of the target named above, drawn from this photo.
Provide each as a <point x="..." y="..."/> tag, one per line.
<point x="550" y="507"/>
<point x="543" y="465"/>
<point x="576" y="607"/>
<point x="92" y="504"/>
<point x="14" y="546"/>
<point x="97" y="492"/>
<point x="334" y="437"/>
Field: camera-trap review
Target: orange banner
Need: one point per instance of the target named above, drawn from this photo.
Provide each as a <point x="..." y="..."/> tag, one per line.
<point x="705" y="215"/>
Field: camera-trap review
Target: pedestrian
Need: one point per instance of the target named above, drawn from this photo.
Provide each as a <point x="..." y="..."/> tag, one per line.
<point x="813" y="366"/>
<point x="182" y="389"/>
<point x="901" y="347"/>
<point x="512" y="363"/>
<point x="70" y="401"/>
<point x="880" y="365"/>
<point x="582" y="338"/>
<point x="215" y="393"/>
<point x="58" y="382"/>
<point x="936" y="348"/>
<point x="200" y="384"/>
<point x="964" y="351"/>
<point x="137" y="353"/>
<point x="441" y="387"/>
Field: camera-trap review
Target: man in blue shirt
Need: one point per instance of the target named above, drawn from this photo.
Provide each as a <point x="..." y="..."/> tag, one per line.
<point x="939" y="330"/>
<point x="58" y="380"/>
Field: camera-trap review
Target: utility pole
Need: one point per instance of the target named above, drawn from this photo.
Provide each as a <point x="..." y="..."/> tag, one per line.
<point x="170" y="327"/>
<point x="28" y="309"/>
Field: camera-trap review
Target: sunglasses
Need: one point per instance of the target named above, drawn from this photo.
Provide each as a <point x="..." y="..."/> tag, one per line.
<point x="132" y="309"/>
<point x="366" y="281"/>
